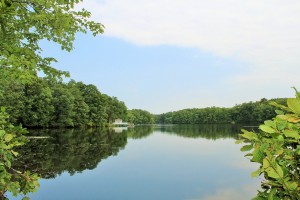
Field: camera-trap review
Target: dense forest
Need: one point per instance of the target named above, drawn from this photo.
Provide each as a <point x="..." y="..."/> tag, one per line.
<point x="51" y="103"/>
<point x="138" y="116"/>
<point x="252" y="112"/>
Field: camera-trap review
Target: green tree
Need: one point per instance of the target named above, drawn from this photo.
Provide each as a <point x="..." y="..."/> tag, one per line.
<point x="38" y="109"/>
<point x="116" y="109"/>
<point x="81" y="109"/>
<point x="63" y="103"/>
<point x="23" y="24"/>
<point x="96" y="102"/>
<point x="13" y="98"/>
<point x="139" y="116"/>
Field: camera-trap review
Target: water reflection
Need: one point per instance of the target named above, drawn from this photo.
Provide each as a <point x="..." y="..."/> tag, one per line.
<point x="139" y="132"/>
<point x="71" y="150"/>
<point x="207" y="131"/>
<point x="159" y="162"/>
<point x="75" y="150"/>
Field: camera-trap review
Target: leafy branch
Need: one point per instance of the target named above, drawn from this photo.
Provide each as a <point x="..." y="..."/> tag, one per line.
<point x="277" y="149"/>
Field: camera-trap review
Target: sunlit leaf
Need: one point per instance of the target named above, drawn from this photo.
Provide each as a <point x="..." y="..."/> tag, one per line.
<point x="256" y="173"/>
<point x="291" y="134"/>
<point x="273" y="103"/>
<point x="258" y="155"/>
<point x="274" y="171"/>
<point x="239" y="141"/>
<point x="267" y="129"/>
<point x="291" y="185"/>
<point x="281" y="124"/>
<point x="269" y="123"/>
<point x="266" y="163"/>
<point x="247" y="147"/>
<point x="279" y="112"/>
<point x="294" y="104"/>
<point x="272" y="194"/>
<point x="2" y="133"/>
<point x="3" y="109"/>
<point x="15" y="153"/>
<point x="8" y="137"/>
<point x="292" y="119"/>
<point x="249" y="135"/>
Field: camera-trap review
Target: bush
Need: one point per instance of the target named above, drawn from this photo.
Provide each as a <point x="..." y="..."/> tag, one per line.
<point x="12" y="180"/>
<point x="277" y="149"/>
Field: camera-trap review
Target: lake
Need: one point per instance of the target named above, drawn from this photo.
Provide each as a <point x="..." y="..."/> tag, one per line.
<point x="180" y="162"/>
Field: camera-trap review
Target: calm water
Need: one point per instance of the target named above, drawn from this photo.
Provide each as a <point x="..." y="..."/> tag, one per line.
<point x="166" y="162"/>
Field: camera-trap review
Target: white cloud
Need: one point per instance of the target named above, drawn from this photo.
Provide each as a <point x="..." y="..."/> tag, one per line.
<point x="243" y="29"/>
<point x="263" y="34"/>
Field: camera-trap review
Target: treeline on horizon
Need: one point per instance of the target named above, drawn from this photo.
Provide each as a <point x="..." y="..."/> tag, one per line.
<point x="252" y="112"/>
<point x="248" y="113"/>
<point x="52" y="103"/>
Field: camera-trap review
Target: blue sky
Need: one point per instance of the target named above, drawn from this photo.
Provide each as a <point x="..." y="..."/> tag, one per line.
<point x="168" y="55"/>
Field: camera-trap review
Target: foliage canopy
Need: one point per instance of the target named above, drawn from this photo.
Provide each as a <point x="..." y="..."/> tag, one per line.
<point x="138" y="116"/>
<point x="249" y="113"/>
<point x="24" y="23"/>
<point x="11" y="179"/>
<point x="52" y="103"/>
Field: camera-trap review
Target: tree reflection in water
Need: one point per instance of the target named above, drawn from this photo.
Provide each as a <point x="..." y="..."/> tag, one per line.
<point x="68" y="150"/>
<point x="75" y="150"/>
<point x="207" y="131"/>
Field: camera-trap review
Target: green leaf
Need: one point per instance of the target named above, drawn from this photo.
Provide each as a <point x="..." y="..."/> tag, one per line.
<point x="2" y="133"/>
<point x="8" y="163"/>
<point x="273" y="103"/>
<point x="258" y="155"/>
<point x="275" y="171"/>
<point x="283" y="117"/>
<point x="279" y="151"/>
<point x="272" y="194"/>
<point x="8" y="137"/>
<point x="239" y="141"/>
<point x="15" y="153"/>
<point x="256" y="173"/>
<point x="247" y="147"/>
<point x="298" y="150"/>
<point x="294" y="105"/>
<point x="292" y="185"/>
<point x="291" y="134"/>
<point x="267" y="129"/>
<point x="292" y="119"/>
<point x="266" y="163"/>
<point x="281" y="124"/>
<point x="259" y="198"/>
<point x="249" y="135"/>
<point x="269" y="123"/>
<point x="3" y="109"/>
<point x="279" y="112"/>
<point x="280" y="139"/>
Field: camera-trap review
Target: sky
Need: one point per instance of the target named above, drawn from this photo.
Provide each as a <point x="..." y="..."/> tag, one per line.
<point x="167" y="55"/>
